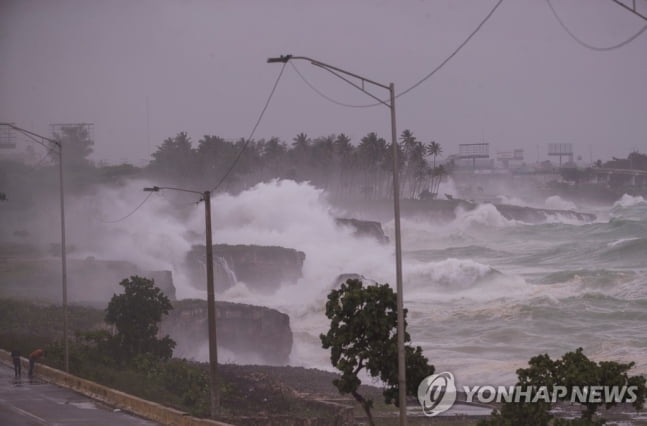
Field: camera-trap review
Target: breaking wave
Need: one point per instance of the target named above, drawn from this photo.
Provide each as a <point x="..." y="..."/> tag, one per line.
<point x="629" y="201"/>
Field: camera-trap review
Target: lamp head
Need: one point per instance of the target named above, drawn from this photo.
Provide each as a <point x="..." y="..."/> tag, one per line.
<point x="282" y="58"/>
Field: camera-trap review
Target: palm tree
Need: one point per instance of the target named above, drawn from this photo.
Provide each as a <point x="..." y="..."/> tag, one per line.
<point x="371" y="155"/>
<point x="437" y="175"/>
<point x="408" y="143"/>
<point x="434" y="150"/>
<point x="344" y="159"/>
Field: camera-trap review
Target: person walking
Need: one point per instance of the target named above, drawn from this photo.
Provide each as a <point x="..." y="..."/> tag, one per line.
<point x="16" y="363"/>
<point x="33" y="357"/>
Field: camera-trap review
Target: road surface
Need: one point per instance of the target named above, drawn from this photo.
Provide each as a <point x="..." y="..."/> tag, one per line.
<point x="24" y="402"/>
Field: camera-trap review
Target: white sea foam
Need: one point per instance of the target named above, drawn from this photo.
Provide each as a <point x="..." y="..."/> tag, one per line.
<point x="484" y="215"/>
<point x="555" y="202"/>
<point x="629" y="201"/>
<point x="621" y="241"/>
<point x="513" y="201"/>
<point x="450" y="273"/>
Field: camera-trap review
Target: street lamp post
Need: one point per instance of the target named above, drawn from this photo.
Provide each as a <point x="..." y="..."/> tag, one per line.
<point x="63" y="259"/>
<point x="59" y="145"/>
<point x="402" y="400"/>
<point x="211" y="304"/>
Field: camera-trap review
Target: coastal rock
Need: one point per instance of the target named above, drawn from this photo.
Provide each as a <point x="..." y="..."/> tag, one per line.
<point x="445" y="210"/>
<point x="245" y="333"/>
<point x="533" y="215"/>
<point x="261" y="268"/>
<point x="364" y="228"/>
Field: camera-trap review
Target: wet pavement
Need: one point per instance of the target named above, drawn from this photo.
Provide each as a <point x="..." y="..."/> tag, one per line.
<point x="35" y="402"/>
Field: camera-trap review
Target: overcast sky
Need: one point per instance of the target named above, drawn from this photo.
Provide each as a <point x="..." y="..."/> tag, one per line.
<point x="142" y="71"/>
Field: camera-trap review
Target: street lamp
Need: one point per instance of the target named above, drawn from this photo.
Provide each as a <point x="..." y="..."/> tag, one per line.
<point x="59" y="145"/>
<point x="337" y="72"/>
<point x="211" y="305"/>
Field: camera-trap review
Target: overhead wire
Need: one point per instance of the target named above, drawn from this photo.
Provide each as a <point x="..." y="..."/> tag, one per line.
<point x="322" y="94"/>
<point x="588" y="45"/>
<point x="251" y="135"/>
<point x="129" y="214"/>
<point x="42" y="159"/>
<point x="233" y="164"/>
<point x="419" y="82"/>
<point x="39" y="142"/>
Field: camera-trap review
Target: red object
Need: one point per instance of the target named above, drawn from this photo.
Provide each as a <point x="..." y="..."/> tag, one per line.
<point x="36" y="354"/>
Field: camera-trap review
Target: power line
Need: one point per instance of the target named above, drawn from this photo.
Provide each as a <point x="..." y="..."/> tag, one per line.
<point x="419" y="82"/>
<point x="251" y="135"/>
<point x="590" y="46"/>
<point x="49" y="151"/>
<point x="36" y="140"/>
<point x="267" y="103"/>
<point x="320" y="93"/>
<point x="129" y="214"/>
<point x="455" y="52"/>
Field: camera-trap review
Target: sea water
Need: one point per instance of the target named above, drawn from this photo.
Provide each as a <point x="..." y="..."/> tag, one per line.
<point x="484" y="294"/>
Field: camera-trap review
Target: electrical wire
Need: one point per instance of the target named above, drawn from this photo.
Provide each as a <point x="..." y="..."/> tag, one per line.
<point x="47" y="154"/>
<point x="419" y="82"/>
<point x="39" y="142"/>
<point x="320" y="93"/>
<point x="129" y="214"/>
<point x="251" y="135"/>
<point x="590" y="46"/>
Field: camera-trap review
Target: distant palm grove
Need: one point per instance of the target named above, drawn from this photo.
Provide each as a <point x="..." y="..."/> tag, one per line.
<point x="330" y="162"/>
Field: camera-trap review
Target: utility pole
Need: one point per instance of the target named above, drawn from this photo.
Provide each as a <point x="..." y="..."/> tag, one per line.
<point x="402" y="376"/>
<point x="341" y="73"/>
<point x="59" y="145"/>
<point x="211" y="304"/>
<point x="211" y="310"/>
<point x="63" y="258"/>
<point x="631" y="8"/>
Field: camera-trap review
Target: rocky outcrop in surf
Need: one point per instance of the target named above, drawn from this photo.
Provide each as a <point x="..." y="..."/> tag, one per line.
<point x="534" y="215"/>
<point x="261" y="268"/>
<point x="364" y="228"/>
<point x="245" y="333"/>
<point x="445" y="210"/>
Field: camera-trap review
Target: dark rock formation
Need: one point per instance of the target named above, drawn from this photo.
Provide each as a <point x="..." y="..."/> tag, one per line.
<point x="262" y="268"/>
<point x="532" y="215"/>
<point x="253" y="334"/>
<point x="445" y="210"/>
<point x="365" y="228"/>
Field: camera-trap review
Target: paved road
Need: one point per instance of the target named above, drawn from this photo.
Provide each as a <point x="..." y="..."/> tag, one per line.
<point x="24" y="402"/>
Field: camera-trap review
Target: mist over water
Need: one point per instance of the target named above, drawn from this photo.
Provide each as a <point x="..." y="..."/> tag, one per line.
<point x="484" y="293"/>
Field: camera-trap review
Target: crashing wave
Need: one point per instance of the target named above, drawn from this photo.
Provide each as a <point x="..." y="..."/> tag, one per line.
<point x="629" y="201"/>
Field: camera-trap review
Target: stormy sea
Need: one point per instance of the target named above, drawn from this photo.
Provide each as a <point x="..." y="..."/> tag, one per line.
<point x="484" y="293"/>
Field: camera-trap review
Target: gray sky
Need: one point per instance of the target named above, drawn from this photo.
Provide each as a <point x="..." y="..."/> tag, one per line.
<point x="520" y="83"/>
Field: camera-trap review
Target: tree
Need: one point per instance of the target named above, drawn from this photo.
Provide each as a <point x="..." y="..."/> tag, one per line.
<point x="573" y="370"/>
<point x="174" y="157"/>
<point x="77" y="145"/>
<point x="434" y="149"/>
<point x="136" y="313"/>
<point x="363" y="336"/>
<point x="371" y="158"/>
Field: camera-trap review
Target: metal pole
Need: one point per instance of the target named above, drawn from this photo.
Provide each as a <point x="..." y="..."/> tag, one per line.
<point x="402" y="378"/>
<point x="211" y="312"/>
<point x="63" y="258"/>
